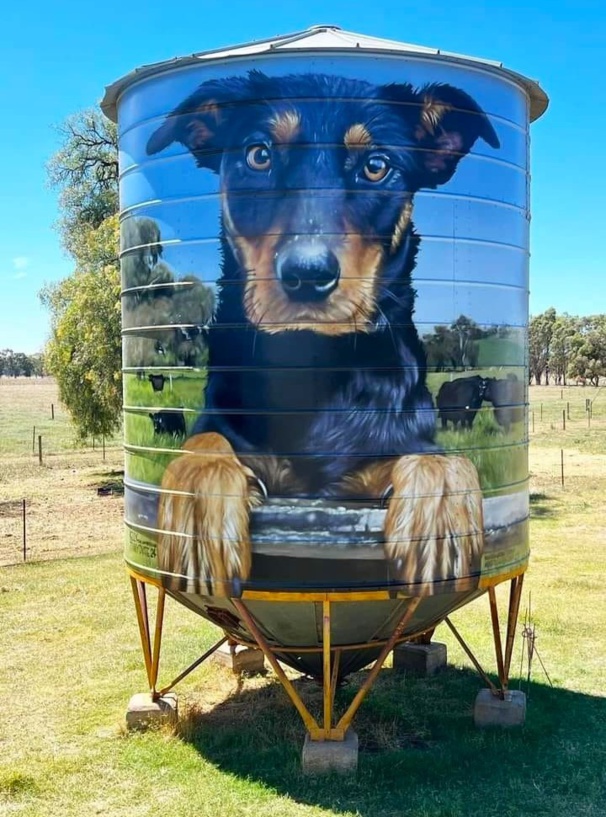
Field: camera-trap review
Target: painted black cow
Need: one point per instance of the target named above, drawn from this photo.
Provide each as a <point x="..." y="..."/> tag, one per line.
<point x="169" y="422"/>
<point x="157" y="381"/>
<point x="507" y="398"/>
<point x="460" y="399"/>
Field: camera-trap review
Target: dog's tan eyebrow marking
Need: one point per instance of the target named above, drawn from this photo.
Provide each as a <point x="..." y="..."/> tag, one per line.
<point x="401" y="226"/>
<point x="285" y="126"/>
<point x="431" y="113"/>
<point x="357" y="136"/>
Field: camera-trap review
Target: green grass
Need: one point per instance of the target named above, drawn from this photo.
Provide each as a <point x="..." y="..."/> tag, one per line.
<point x="186" y="392"/>
<point x="70" y="661"/>
<point x="500" y="457"/>
<point x="25" y="413"/>
<point x="549" y="403"/>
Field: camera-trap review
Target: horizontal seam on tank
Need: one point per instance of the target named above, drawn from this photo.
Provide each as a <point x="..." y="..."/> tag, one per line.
<point x="323" y="369"/>
<point x="296" y="455"/>
<point x="158" y="160"/>
<point x="283" y="194"/>
<point x="289" y="498"/>
<point x="357" y="410"/>
<point x="253" y="101"/>
<point x="134" y="330"/>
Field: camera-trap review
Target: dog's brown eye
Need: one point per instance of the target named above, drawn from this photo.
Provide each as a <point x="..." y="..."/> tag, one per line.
<point x="258" y="157"/>
<point x="376" y="168"/>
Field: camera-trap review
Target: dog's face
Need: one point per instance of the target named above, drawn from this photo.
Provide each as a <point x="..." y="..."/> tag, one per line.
<point x="317" y="177"/>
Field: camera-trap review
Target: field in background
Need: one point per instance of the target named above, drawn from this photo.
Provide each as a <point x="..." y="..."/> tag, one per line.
<point x="66" y="516"/>
<point x="64" y="513"/>
<point x="70" y="660"/>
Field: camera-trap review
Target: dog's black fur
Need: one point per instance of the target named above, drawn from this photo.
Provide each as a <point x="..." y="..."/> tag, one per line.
<point x="328" y="404"/>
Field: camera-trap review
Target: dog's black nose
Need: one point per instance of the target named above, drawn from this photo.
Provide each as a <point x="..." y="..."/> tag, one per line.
<point x="309" y="276"/>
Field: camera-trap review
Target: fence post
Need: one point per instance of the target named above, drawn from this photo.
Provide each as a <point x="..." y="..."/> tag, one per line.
<point x="564" y="420"/>
<point x="541" y="412"/>
<point x="52" y="411"/>
<point x="24" y="533"/>
<point x="562" y="464"/>
<point x="40" y="449"/>
<point x="568" y="410"/>
<point x="533" y="422"/>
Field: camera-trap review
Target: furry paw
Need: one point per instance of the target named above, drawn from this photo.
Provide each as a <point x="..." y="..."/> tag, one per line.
<point x="203" y="517"/>
<point x="434" y="523"/>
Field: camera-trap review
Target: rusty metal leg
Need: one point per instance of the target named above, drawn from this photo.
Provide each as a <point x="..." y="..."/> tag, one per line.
<point x="326" y="676"/>
<point x="192" y="666"/>
<point x="347" y="718"/>
<point x="310" y="722"/>
<point x="155" y="665"/>
<point x="496" y="631"/>
<point x="140" y="598"/>
<point x="515" y="596"/>
<point x="335" y="675"/>
<point x="471" y="656"/>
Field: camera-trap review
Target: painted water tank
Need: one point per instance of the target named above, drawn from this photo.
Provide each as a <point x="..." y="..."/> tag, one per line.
<point x="324" y="251"/>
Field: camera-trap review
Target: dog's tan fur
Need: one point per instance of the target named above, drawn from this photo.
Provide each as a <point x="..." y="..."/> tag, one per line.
<point x="434" y="524"/>
<point x="350" y="307"/>
<point x="207" y="495"/>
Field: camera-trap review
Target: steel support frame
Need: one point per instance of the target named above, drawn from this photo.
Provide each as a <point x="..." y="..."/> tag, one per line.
<point x="503" y="658"/>
<point x="151" y="646"/>
<point x="328" y="730"/>
<point x="331" y="656"/>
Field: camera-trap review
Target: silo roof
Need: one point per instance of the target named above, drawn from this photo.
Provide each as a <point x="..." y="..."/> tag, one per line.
<point x="323" y="38"/>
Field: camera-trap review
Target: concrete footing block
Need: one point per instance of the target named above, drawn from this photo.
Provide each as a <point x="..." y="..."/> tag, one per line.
<point x="322" y="757"/>
<point x="143" y="712"/>
<point x="419" y="659"/>
<point x="240" y="659"/>
<point x="490" y="710"/>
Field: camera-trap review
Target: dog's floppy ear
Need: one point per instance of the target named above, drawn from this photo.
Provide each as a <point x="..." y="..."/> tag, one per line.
<point x="200" y="121"/>
<point x="446" y="123"/>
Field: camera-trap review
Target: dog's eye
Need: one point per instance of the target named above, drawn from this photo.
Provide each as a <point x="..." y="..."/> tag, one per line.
<point x="376" y="168"/>
<point x="258" y="157"/>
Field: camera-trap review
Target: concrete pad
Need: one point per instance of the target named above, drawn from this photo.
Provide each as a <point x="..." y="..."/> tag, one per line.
<point x="419" y="659"/>
<point x="239" y="658"/>
<point x="490" y="710"/>
<point x="323" y="757"/>
<point x="143" y="712"/>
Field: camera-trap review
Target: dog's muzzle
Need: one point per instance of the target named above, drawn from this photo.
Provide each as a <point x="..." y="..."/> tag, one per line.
<point x="307" y="270"/>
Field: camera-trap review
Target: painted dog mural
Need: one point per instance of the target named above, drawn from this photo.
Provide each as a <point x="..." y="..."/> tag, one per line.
<point x="317" y="376"/>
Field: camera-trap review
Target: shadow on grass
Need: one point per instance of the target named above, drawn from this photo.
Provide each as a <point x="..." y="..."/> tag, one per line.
<point x="107" y="487"/>
<point x="420" y="754"/>
<point x="542" y="505"/>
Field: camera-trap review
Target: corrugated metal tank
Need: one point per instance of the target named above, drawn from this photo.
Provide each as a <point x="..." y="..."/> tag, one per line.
<point x="325" y="302"/>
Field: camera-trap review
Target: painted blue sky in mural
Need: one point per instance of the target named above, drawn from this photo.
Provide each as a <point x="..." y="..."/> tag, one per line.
<point x="57" y="58"/>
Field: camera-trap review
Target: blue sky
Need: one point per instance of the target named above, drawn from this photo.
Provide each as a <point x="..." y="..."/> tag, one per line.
<point x="57" y="57"/>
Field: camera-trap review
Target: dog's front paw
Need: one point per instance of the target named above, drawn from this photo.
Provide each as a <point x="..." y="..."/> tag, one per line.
<point x="203" y="517"/>
<point x="434" y="522"/>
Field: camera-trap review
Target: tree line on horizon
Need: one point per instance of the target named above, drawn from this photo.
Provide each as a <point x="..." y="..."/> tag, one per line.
<point x="18" y="364"/>
<point x="564" y="348"/>
<point x="84" y="352"/>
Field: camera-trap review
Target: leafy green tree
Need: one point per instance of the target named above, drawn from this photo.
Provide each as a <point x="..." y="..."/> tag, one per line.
<point x="562" y="346"/>
<point x="589" y="359"/>
<point x="84" y="350"/>
<point x="540" y="332"/>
